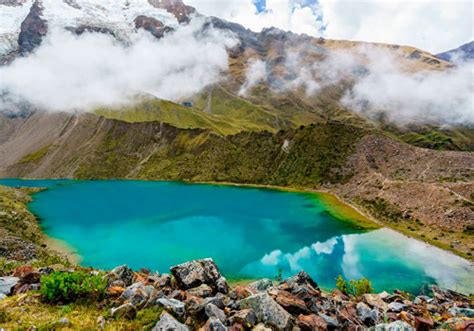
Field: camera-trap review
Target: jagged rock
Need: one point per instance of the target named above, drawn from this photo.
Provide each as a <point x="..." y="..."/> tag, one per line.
<point x="118" y="283"/>
<point x="168" y="322"/>
<point x="122" y="273"/>
<point x="394" y="326"/>
<point x="375" y="301"/>
<point x="367" y="315"/>
<point x="241" y="292"/>
<point x="301" y="279"/>
<point x="202" y="291"/>
<point x="172" y="305"/>
<point x="290" y="302"/>
<point x="457" y="323"/>
<point x="267" y="310"/>
<point x="195" y="273"/>
<point x="423" y="323"/>
<point x="214" y="324"/>
<point x="458" y="311"/>
<point x="330" y="321"/>
<point x="311" y="322"/>
<point x="212" y="310"/>
<point x="127" y="310"/>
<point x="262" y="285"/>
<point x="7" y="284"/>
<point x="261" y="327"/>
<point x="136" y="293"/>
<point x="246" y="317"/>
<point x="396" y="306"/>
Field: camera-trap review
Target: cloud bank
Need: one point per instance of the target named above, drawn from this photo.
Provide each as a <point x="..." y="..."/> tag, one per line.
<point x="380" y="85"/>
<point x="432" y="25"/>
<point x="69" y="72"/>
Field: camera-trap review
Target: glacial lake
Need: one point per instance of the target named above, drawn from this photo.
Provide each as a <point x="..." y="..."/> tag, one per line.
<point x="249" y="232"/>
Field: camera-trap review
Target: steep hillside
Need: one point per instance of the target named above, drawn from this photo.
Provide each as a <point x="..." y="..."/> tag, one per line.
<point x="462" y="53"/>
<point x="426" y="193"/>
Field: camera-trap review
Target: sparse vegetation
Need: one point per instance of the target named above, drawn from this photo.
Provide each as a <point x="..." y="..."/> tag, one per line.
<point x="36" y="156"/>
<point x="354" y="287"/>
<point x="66" y="287"/>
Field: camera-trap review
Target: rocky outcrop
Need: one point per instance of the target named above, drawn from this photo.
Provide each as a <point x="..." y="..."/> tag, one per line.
<point x="195" y="273"/>
<point x="152" y="25"/>
<point x="181" y="11"/>
<point x="293" y="304"/>
<point x="33" y="29"/>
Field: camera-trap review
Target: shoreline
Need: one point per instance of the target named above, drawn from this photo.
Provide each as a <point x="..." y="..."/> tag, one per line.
<point x="63" y="248"/>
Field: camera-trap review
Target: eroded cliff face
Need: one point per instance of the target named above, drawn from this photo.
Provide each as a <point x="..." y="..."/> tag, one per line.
<point x="426" y="193"/>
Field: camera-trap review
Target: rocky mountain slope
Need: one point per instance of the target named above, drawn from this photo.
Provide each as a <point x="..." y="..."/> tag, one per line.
<point x="462" y="53"/>
<point x="426" y="193"/>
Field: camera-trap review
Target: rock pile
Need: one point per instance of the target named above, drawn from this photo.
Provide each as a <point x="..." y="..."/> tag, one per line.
<point x="197" y="296"/>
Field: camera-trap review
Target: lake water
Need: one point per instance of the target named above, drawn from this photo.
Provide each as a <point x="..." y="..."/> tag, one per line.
<point x="249" y="232"/>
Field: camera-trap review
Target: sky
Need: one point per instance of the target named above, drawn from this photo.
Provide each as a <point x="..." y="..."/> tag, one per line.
<point x="432" y="25"/>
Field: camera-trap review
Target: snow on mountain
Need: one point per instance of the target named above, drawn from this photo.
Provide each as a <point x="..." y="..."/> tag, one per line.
<point x="11" y="17"/>
<point x="113" y="16"/>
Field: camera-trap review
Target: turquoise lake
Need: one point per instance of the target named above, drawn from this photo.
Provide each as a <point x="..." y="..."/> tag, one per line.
<point x="249" y="232"/>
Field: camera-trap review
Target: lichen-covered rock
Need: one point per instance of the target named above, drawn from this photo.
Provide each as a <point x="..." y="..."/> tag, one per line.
<point x="214" y="324"/>
<point x="195" y="273"/>
<point x="168" y="322"/>
<point x="290" y="302"/>
<point x="375" y="301"/>
<point x="262" y="285"/>
<point x="245" y="317"/>
<point x="136" y="293"/>
<point x="212" y="310"/>
<point x="311" y="322"/>
<point x="394" y="326"/>
<point x="268" y="311"/>
<point x="172" y="305"/>
<point x="202" y="291"/>
<point x="122" y="273"/>
<point x="366" y="314"/>
<point x="301" y="279"/>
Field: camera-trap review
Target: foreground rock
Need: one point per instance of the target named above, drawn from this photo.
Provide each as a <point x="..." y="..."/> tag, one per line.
<point x="198" y="298"/>
<point x="196" y="273"/>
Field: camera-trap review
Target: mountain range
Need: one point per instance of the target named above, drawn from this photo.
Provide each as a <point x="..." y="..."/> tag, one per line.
<point x="413" y="173"/>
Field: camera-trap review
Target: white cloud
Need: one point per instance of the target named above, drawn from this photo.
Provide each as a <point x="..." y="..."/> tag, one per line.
<point x="326" y="247"/>
<point x="69" y="72"/>
<point x="256" y="72"/>
<point x="432" y="25"/>
<point x="272" y="258"/>
<point x="382" y="85"/>
<point x="282" y="14"/>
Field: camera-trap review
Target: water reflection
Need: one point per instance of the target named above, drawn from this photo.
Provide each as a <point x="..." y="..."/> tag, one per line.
<point x="388" y="258"/>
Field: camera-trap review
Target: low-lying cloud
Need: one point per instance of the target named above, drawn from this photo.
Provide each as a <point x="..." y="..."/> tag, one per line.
<point x="69" y="72"/>
<point x="381" y="84"/>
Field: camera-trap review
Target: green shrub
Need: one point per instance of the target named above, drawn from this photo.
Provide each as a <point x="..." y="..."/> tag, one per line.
<point x="354" y="287"/>
<point x="66" y="287"/>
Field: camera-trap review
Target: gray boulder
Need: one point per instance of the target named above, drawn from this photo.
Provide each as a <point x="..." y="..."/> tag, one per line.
<point x="7" y="284"/>
<point x="214" y="324"/>
<point x="394" y="326"/>
<point x="195" y="273"/>
<point x="367" y="315"/>
<point x="268" y="311"/>
<point x="212" y="310"/>
<point x="122" y="273"/>
<point x="262" y="285"/>
<point x="202" y="291"/>
<point x="168" y="322"/>
<point x="396" y="307"/>
<point x="172" y="305"/>
<point x="136" y="293"/>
